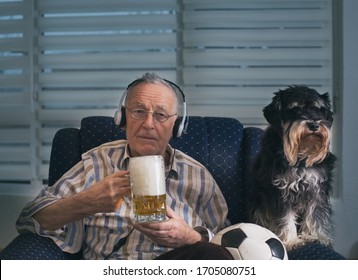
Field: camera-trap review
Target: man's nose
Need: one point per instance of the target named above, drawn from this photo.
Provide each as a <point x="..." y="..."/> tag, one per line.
<point x="149" y="119"/>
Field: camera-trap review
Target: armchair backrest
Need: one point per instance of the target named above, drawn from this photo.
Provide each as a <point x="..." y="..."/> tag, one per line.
<point x="223" y="145"/>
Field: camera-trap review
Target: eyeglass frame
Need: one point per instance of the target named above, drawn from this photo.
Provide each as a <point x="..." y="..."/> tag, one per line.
<point x="156" y="120"/>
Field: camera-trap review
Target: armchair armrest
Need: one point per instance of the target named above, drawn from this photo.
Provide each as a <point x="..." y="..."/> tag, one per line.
<point x="30" y="246"/>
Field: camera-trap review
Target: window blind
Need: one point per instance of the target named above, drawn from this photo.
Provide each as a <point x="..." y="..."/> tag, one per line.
<point x="75" y="58"/>
<point x="16" y="110"/>
<point x="89" y="51"/>
<point x="237" y="53"/>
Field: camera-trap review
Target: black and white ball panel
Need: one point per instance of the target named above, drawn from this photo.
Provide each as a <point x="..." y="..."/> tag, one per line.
<point x="247" y="241"/>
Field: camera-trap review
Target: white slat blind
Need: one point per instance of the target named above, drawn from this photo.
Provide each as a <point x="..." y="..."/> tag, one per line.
<point x="90" y="50"/>
<point x="237" y="53"/>
<point x="75" y="58"/>
<point x="15" y="93"/>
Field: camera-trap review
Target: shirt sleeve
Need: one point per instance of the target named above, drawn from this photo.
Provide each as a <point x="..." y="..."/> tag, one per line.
<point x="215" y="206"/>
<point x="70" y="237"/>
<point x="205" y="232"/>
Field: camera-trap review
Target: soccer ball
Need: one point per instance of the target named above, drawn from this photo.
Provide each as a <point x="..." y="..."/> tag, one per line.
<point x="247" y="241"/>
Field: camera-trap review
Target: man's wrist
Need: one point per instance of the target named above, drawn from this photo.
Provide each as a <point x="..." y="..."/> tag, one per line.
<point x="205" y="234"/>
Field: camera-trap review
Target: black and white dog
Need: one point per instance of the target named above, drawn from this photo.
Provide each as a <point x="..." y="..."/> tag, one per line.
<point x="292" y="175"/>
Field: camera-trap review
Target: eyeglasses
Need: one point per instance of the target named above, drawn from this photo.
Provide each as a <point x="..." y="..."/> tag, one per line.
<point x="140" y="114"/>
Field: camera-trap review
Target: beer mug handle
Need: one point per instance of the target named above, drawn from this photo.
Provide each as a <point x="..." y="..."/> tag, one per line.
<point x="128" y="200"/>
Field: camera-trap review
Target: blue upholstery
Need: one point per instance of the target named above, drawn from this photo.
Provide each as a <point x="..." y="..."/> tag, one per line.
<point x="215" y="142"/>
<point x="223" y="145"/>
<point x="314" y="251"/>
<point x="30" y="246"/>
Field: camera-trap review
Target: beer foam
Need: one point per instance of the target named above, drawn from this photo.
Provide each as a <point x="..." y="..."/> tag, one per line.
<point x="147" y="175"/>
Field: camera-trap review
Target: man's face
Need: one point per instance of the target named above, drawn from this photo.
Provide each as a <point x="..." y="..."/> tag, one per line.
<point x="146" y="136"/>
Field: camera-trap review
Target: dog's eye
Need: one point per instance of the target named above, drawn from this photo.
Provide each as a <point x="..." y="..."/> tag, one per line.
<point x="292" y="105"/>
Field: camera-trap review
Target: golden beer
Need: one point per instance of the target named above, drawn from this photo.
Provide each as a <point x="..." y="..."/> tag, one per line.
<point x="148" y="188"/>
<point x="149" y="208"/>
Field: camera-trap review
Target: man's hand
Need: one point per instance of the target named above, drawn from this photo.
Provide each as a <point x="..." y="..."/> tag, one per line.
<point x="172" y="233"/>
<point x="107" y="195"/>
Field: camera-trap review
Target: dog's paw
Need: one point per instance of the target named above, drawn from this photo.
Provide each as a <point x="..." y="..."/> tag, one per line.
<point x="306" y="239"/>
<point x="321" y="239"/>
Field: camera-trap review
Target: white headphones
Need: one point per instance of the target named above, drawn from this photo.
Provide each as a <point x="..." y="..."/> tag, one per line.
<point x="181" y="123"/>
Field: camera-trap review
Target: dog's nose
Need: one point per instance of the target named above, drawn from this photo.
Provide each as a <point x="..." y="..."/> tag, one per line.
<point x="313" y="126"/>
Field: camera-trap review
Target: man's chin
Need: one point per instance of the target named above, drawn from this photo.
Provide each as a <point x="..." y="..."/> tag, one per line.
<point x="147" y="151"/>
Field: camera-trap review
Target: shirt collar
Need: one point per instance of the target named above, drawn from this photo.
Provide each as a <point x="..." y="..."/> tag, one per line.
<point x="171" y="167"/>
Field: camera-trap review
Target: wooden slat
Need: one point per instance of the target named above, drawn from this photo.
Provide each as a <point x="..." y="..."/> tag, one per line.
<point x="12" y="26"/>
<point x="248" y="115"/>
<point x="234" y="95"/>
<point x="107" y="42"/>
<point x="126" y="60"/>
<point x="15" y="81"/>
<point x="246" y="38"/>
<point x="12" y="8"/>
<point x="268" y="18"/>
<point x="83" y="98"/>
<point x="108" y="23"/>
<point x="15" y="172"/>
<point x="14" y="45"/>
<point x="252" y="76"/>
<point x="46" y="134"/>
<point x="15" y="99"/>
<point x="15" y="135"/>
<point x="45" y="153"/>
<point x="70" y="116"/>
<point x="258" y="57"/>
<point x="14" y="62"/>
<point x="97" y="79"/>
<point x="253" y="4"/>
<point x="44" y="171"/>
<point x="14" y="116"/>
<point x="72" y="6"/>
<point x="15" y="154"/>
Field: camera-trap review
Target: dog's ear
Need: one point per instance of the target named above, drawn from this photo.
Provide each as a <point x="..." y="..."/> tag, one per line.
<point x="272" y="112"/>
<point x="327" y="104"/>
<point x="326" y="100"/>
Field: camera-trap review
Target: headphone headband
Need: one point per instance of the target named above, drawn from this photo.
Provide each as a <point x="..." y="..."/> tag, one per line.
<point x="181" y="122"/>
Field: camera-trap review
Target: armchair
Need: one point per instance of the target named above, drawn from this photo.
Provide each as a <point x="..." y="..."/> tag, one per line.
<point x="223" y="145"/>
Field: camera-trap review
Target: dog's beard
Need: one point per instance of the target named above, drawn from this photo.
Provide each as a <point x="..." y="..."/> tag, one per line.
<point x="300" y="143"/>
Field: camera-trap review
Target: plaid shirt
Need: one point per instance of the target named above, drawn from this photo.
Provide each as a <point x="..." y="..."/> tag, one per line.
<point x="191" y="192"/>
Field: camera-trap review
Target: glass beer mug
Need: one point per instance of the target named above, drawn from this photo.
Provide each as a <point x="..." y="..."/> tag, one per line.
<point x="147" y="177"/>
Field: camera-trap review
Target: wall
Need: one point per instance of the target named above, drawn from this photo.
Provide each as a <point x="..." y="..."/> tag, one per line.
<point x="345" y="205"/>
<point x="11" y="205"/>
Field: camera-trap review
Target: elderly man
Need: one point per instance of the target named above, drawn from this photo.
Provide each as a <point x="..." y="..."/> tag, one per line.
<point x="85" y="208"/>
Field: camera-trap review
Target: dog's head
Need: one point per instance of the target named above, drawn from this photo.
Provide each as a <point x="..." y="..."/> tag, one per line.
<point x="305" y="118"/>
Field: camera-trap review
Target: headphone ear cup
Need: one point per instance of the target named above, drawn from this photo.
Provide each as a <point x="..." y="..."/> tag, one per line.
<point x="122" y="122"/>
<point x="120" y="114"/>
<point x="180" y="126"/>
<point x="176" y="127"/>
<point x="120" y="117"/>
<point x="117" y="117"/>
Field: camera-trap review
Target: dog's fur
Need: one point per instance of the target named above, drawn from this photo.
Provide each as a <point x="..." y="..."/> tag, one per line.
<point x="292" y="175"/>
